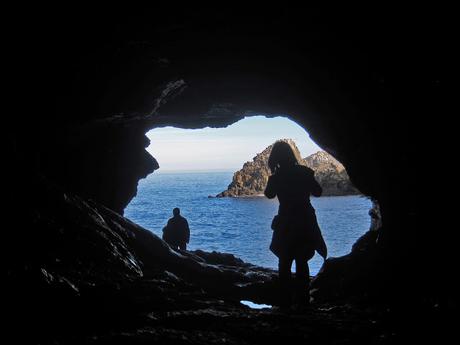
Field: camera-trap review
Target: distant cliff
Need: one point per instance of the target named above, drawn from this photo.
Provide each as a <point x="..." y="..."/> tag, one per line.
<point x="252" y="178"/>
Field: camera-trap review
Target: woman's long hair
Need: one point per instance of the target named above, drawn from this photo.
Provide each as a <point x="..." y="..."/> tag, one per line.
<point x="282" y="155"/>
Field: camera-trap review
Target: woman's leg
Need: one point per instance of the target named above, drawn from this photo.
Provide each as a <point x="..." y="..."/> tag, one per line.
<point x="302" y="282"/>
<point x="284" y="271"/>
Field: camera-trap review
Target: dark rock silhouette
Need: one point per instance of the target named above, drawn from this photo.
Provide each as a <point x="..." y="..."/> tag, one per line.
<point x="252" y="178"/>
<point x="342" y="277"/>
<point x="88" y="256"/>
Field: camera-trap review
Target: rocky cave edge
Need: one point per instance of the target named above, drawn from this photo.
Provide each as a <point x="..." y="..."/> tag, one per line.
<point x="80" y="272"/>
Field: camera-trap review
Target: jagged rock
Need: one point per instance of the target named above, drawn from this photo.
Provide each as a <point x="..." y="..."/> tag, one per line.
<point x="330" y="174"/>
<point x="216" y="258"/>
<point x="252" y="178"/>
<point x="87" y="256"/>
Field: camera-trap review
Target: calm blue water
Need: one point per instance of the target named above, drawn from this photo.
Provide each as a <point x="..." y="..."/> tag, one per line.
<point x="239" y="226"/>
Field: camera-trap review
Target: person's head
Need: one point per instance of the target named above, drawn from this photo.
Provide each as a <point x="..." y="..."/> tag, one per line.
<point x="282" y="155"/>
<point x="176" y="211"/>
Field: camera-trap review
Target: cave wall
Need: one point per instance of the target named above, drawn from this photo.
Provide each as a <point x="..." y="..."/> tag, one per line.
<point x="354" y="82"/>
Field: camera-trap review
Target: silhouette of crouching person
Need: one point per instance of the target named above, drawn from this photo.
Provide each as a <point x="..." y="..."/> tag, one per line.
<point x="177" y="232"/>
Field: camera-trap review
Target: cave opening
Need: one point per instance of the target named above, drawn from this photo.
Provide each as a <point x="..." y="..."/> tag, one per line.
<point x="367" y="84"/>
<point x="227" y="213"/>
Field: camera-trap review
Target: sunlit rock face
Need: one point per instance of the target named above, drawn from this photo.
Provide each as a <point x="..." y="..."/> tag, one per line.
<point x="352" y="81"/>
<point x="252" y="178"/>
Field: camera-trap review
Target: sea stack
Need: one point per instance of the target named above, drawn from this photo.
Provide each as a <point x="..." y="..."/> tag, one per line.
<point x="252" y="178"/>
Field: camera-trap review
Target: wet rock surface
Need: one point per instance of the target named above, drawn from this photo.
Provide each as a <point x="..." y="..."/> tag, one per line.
<point x="220" y="323"/>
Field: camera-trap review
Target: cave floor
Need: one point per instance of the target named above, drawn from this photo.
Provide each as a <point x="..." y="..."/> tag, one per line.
<point x="219" y="322"/>
<point x="164" y="310"/>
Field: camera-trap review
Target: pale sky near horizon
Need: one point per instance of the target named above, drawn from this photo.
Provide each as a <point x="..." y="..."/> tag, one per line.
<point x="224" y="149"/>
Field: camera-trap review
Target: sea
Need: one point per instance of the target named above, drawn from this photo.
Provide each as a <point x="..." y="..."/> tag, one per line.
<point x="240" y="226"/>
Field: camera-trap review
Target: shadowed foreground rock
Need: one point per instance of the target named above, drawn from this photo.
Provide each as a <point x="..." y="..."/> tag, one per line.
<point x="356" y="274"/>
<point x="128" y="286"/>
<point x="91" y="276"/>
<point x="89" y="267"/>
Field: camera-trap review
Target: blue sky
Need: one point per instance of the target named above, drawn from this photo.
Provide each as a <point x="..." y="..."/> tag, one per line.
<point x="224" y="149"/>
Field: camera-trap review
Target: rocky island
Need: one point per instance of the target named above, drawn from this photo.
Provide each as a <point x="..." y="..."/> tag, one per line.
<point x="252" y="178"/>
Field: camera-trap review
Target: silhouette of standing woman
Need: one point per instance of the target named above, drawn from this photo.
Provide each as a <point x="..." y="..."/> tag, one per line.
<point x="296" y="233"/>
